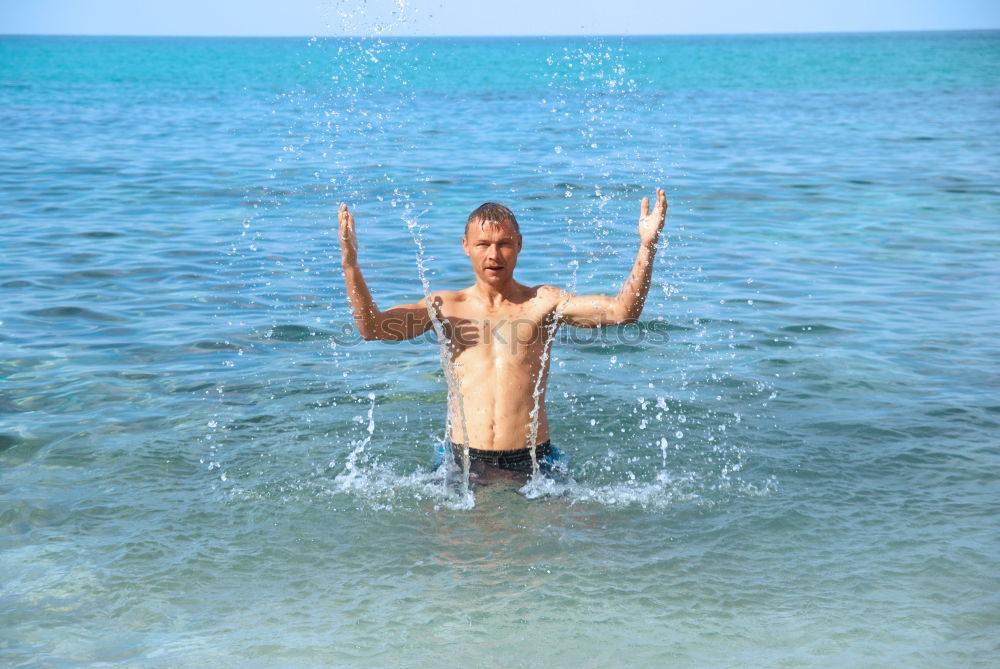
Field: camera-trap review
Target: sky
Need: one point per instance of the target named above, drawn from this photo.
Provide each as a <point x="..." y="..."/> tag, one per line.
<point x="487" y="17"/>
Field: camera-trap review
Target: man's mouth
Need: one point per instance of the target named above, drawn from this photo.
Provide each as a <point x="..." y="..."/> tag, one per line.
<point x="494" y="268"/>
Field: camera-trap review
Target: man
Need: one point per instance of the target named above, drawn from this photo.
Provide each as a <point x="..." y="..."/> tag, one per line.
<point x="498" y="332"/>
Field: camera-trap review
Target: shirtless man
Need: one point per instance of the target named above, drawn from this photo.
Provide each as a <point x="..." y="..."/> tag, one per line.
<point x="498" y="333"/>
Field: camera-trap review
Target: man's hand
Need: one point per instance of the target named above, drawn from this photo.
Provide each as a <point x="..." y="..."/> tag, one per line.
<point x="348" y="238"/>
<point x="650" y="224"/>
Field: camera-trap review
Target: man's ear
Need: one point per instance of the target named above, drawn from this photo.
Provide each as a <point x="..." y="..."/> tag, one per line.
<point x="465" y="245"/>
<point x="519" y="241"/>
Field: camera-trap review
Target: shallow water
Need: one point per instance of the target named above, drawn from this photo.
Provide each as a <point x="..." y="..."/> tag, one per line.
<point x="791" y="461"/>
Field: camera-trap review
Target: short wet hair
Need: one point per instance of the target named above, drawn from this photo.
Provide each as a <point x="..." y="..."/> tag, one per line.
<point x="491" y="212"/>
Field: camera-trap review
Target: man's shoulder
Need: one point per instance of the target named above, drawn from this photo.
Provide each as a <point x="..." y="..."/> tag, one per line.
<point x="447" y="295"/>
<point x="549" y="292"/>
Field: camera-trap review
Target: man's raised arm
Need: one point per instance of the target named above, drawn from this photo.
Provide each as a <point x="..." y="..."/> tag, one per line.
<point x="404" y="321"/>
<point x="589" y="311"/>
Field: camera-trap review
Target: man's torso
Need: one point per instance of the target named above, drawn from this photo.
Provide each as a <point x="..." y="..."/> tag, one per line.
<point x="496" y="354"/>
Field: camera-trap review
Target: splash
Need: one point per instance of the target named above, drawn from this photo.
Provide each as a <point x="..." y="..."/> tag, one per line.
<point x="538" y="390"/>
<point x="352" y="477"/>
<point x="455" y="397"/>
<point x="353" y="134"/>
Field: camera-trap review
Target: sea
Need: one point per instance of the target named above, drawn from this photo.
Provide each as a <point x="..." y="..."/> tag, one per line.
<point x="791" y="460"/>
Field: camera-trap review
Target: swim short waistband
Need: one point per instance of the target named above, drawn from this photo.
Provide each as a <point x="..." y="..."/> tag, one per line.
<point x="517" y="460"/>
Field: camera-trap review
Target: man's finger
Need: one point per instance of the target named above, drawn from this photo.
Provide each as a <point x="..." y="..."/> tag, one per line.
<point x="644" y="208"/>
<point x="346" y="218"/>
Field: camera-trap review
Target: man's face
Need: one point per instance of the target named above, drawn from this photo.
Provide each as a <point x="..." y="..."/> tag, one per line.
<point x="492" y="247"/>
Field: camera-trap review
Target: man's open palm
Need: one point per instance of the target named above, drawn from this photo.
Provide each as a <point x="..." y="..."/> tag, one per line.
<point x="651" y="222"/>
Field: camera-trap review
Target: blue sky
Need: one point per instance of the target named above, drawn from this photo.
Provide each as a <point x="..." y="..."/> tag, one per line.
<point x="481" y="17"/>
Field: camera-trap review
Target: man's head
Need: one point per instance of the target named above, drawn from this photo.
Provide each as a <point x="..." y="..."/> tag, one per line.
<point x="491" y="213"/>
<point x="492" y="241"/>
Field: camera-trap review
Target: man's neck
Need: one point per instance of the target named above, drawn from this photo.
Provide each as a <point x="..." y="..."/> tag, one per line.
<point x="496" y="294"/>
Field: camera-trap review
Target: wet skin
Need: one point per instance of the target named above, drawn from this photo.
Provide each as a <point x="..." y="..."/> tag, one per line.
<point x="498" y="329"/>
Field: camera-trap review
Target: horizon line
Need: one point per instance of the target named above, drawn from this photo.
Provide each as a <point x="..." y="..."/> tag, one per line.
<point x="513" y="36"/>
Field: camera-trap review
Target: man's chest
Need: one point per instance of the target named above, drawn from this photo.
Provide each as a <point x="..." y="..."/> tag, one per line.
<point x="500" y="333"/>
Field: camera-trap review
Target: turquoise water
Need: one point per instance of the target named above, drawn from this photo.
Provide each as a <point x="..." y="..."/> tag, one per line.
<point x="791" y="461"/>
